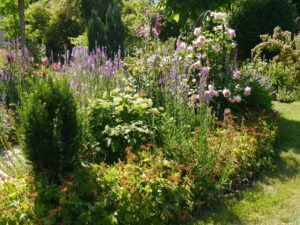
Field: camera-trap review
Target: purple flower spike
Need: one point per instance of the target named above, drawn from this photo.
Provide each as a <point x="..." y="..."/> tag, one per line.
<point x="3" y="99"/>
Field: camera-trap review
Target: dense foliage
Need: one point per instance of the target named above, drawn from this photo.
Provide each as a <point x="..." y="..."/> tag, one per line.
<point x="251" y="18"/>
<point x="96" y="32"/>
<point x="167" y="129"/>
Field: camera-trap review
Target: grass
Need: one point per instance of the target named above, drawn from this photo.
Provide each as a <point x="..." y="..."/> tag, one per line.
<point x="274" y="198"/>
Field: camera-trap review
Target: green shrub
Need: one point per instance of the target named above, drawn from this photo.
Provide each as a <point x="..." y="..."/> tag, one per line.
<point x="50" y="129"/>
<point x="251" y="18"/>
<point x="286" y="95"/>
<point x="96" y="32"/>
<point x="121" y="120"/>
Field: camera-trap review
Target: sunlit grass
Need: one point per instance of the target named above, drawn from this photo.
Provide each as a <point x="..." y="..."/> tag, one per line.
<point x="274" y="198"/>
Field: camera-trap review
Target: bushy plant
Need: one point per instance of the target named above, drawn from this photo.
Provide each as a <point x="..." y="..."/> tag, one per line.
<point x="121" y="119"/>
<point x="286" y="95"/>
<point x="50" y="129"/>
<point x="252" y="18"/>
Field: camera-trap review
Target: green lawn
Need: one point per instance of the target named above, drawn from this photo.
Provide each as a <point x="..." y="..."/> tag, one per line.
<point x="274" y="198"/>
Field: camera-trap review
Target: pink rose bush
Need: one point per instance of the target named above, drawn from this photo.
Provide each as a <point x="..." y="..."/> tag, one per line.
<point x="209" y="57"/>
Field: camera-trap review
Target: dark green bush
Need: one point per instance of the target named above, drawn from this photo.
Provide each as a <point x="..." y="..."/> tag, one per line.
<point x="96" y="32"/>
<point x="251" y="18"/>
<point x="50" y="129"/>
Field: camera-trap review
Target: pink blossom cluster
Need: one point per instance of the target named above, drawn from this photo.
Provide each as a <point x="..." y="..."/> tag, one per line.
<point x="140" y="31"/>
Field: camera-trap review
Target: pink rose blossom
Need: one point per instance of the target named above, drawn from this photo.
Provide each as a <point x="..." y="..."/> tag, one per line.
<point x="181" y="45"/>
<point x="217" y="47"/>
<point x="237" y="99"/>
<point x="232" y="33"/>
<point x="237" y="74"/>
<point x="189" y="49"/>
<point x="201" y="38"/>
<point x="226" y="93"/>
<point x="197" y="31"/>
<point x="247" y="91"/>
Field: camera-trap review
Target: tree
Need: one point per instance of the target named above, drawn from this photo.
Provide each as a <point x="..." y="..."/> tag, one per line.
<point x="22" y="23"/>
<point x="10" y="9"/>
<point x="115" y="29"/>
<point x="96" y="32"/>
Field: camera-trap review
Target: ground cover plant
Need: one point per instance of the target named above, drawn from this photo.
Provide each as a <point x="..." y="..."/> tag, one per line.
<point x="148" y="138"/>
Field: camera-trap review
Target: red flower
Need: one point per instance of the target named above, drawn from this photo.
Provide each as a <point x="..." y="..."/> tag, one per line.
<point x="2" y="68"/>
<point x="10" y="58"/>
<point x="44" y="63"/>
<point x="54" y="65"/>
<point x="43" y="73"/>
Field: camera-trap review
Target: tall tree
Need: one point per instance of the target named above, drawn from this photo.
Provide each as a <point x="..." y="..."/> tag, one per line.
<point x="22" y="23"/>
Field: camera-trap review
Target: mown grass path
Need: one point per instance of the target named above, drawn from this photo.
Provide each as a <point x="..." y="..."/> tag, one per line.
<point x="274" y="198"/>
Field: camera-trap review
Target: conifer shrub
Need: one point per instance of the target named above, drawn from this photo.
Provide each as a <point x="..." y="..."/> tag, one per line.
<point x="96" y="32"/>
<point x="115" y="29"/>
<point x="50" y="129"/>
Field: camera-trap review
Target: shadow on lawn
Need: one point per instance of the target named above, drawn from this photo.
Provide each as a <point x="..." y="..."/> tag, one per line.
<point x="287" y="150"/>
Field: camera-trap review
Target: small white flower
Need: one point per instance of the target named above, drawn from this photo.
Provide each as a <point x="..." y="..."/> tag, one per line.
<point x="247" y="91"/>
<point x="197" y="65"/>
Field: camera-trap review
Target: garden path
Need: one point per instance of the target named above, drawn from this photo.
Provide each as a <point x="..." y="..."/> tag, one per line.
<point x="274" y="198"/>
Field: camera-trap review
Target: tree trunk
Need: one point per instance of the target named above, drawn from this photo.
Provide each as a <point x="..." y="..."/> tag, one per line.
<point x="22" y="24"/>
